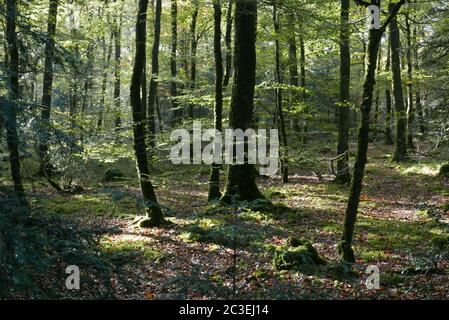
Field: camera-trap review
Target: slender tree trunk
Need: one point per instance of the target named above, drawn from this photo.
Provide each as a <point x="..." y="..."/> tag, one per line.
<point x="293" y="70"/>
<point x="9" y="107"/>
<point x="173" y="69"/>
<point x="193" y="48"/>
<point x="214" y="180"/>
<point x="241" y="178"/>
<point x="117" y="73"/>
<point x="400" y="152"/>
<point x="344" y="175"/>
<point x="154" y="213"/>
<point x="107" y="54"/>
<point x="228" y="43"/>
<point x="280" y="113"/>
<point x="302" y="59"/>
<point x="47" y="88"/>
<point x="410" y="110"/>
<point x="388" y="137"/>
<point x="374" y="39"/>
<point x="152" y="94"/>
<point x="419" y="109"/>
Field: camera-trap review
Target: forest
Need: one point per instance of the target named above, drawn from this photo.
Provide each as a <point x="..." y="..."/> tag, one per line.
<point x="224" y="149"/>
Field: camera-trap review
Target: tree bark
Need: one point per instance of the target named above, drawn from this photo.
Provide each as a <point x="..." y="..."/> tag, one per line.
<point x="9" y="107"/>
<point x="214" y="180"/>
<point x="107" y="54"/>
<point x="193" y="49"/>
<point x="410" y="110"/>
<point x="344" y="175"/>
<point x="241" y="178"/>
<point x="400" y="152"/>
<point x="280" y="114"/>
<point x="117" y="73"/>
<point x="154" y="213"/>
<point x="228" y="44"/>
<point x="419" y="108"/>
<point x="388" y="137"/>
<point x="173" y="68"/>
<point x="47" y="87"/>
<point x="152" y="94"/>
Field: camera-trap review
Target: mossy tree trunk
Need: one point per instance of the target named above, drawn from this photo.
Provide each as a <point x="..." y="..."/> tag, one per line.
<point x="152" y="94"/>
<point x="154" y="212"/>
<point x="344" y="175"/>
<point x="214" y="180"/>
<point x="193" y="49"/>
<point x="388" y="137"/>
<point x="374" y="39"/>
<point x="177" y="114"/>
<point x="117" y="73"/>
<point x="400" y="151"/>
<point x="47" y="88"/>
<point x="241" y="178"/>
<point x="293" y="68"/>
<point x="411" y="108"/>
<point x="419" y="107"/>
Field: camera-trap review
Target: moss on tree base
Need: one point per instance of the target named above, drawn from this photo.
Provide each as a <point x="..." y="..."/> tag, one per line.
<point x="297" y="254"/>
<point x="444" y="171"/>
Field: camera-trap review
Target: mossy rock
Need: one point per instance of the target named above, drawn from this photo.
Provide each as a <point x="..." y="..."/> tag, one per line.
<point x="295" y="242"/>
<point x="441" y="241"/>
<point x="112" y="175"/>
<point x="304" y="255"/>
<point x="444" y="171"/>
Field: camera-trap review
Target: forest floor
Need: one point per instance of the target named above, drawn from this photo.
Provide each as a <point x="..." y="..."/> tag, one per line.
<point x="401" y="228"/>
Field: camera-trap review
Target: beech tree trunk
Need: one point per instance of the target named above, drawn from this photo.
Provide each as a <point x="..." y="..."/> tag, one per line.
<point x="117" y="73"/>
<point x="47" y="88"/>
<point x="388" y="137"/>
<point x="154" y="213"/>
<point x="177" y="114"/>
<point x="214" y="180"/>
<point x="411" y="109"/>
<point x="241" y="181"/>
<point x="193" y="49"/>
<point x="228" y="44"/>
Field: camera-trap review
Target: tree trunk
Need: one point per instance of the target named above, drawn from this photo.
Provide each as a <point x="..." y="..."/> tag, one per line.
<point x="154" y="213"/>
<point x="117" y="73"/>
<point x="374" y="38"/>
<point x="280" y="114"/>
<point x="241" y="178"/>
<point x="400" y="152"/>
<point x="193" y="48"/>
<point x="47" y="87"/>
<point x="293" y="69"/>
<point x="214" y="180"/>
<point x="9" y="107"/>
<point x="107" y="54"/>
<point x="344" y="175"/>
<point x="228" y="43"/>
<point x="388" y="137"/>
<point x="410" y="110"/>
<point x="419" y="109"/>
<point x="173" y="69"/>
<point x="303" y="84"/>
<point x="152" y="94"/>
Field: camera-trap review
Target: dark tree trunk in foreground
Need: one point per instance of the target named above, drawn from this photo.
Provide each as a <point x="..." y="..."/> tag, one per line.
<point x="193" y="49"/>
<point x="344" y="175"/>
<point x="154" y="213"/>
<point x="9" y="107"/>
<point x="280" y="113"/>
<point x="228" y="43"/>
<point x="375" y="36"/>
<point x="177" y="114"/>
<point x="214" y="180"/>
<point x="400" y="151"/>
<point x="152" y="94"/>
<point x="47" y="87"/>
<point x="388" y="137"/>
<point x="117" y="74"/>
<point x="241" y="178"/>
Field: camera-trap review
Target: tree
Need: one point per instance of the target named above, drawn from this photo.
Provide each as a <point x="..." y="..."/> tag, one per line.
<point x="154" y="212"/>
<point x="241" y="178"/>
<point x="214" y="180"/>
<point x="177" y="113"/>
<point x="374" y="38"/>
<point x="47" y="87"/>
<point x="388" y="137"/>
<point x="193" y="49"/>
<point x="107" y="54"/>
<point x="344" y="175"/>
<point x="279" y="111"/>
<point x="9" y="107"/>
<point x="400" y="151"/>
<point x="117" y="71"/>
<point x="152" y="94"/>
<point x="410" y="111"/>
<point x="228" y="41"/>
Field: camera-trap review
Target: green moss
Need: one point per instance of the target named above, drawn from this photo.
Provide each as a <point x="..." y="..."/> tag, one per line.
<point x="112" y="175"/>
<point x="304" y="255"/>
<point x="441" y="241"/>
<point x="123" y="252"/>
<point x="444" y="170"/>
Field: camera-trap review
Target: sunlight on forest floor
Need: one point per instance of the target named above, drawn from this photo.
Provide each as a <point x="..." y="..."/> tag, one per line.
<point x="193" y="258"/>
